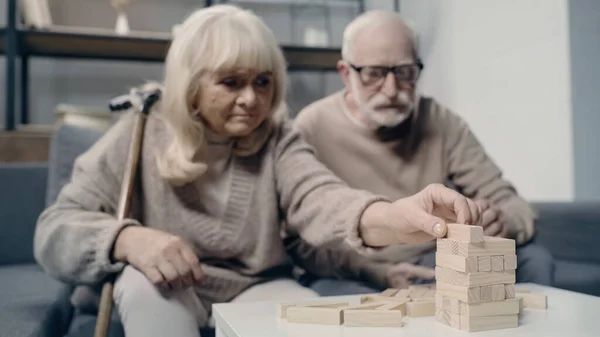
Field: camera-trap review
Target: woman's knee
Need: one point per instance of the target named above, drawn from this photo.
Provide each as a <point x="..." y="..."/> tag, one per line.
<point x="132" y="286"/>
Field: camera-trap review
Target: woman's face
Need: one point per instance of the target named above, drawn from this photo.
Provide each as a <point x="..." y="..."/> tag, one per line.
<point x="234" y="103"/>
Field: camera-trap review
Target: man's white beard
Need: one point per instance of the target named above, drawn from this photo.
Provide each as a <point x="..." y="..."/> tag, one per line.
<point x="389" y="117"/>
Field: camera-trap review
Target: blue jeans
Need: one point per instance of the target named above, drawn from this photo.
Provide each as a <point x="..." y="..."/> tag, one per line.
<point x="535" y="264"/>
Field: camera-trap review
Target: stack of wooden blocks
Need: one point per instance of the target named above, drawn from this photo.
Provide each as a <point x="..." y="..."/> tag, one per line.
<point x="475" y="280"/>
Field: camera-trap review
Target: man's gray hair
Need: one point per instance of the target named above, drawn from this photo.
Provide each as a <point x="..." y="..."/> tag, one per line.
<point x="374" y="17"/>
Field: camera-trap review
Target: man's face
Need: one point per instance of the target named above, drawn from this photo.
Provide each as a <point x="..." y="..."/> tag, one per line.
<point x="381" y="75"/>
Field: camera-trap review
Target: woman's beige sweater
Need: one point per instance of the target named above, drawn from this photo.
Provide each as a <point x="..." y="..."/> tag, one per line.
<point x="234" y="226"/>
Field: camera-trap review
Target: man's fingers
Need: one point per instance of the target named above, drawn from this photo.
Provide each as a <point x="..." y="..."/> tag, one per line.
<point x="421" y="272"/>
<point x="493" y="229"/>
<point x="442" y="196"/>
<point x="475" y="212"/>
<point x="431" y="225"/>
<point x="483" y="204"/>
<point x="488" y="217"/>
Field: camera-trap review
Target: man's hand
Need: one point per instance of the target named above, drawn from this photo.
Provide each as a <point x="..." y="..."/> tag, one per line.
<point x="418" y="218"/>
<point x="491" y="220"/>
<point x="401" y="275"/>
<point x="165" y="259"/>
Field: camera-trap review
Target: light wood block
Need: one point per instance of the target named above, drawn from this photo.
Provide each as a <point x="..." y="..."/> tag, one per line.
<point x="486" y="293"/>
<point x="522" y="290"/>
<point x="458" y="263"/>
<point x="447" y="318"/>
<point x="474" y="279"/>
<point x="389" y="292"/>
<point x="283" y="307"/>
<point x="382" y="299"/>
<point x="315" y="315"/>
<point x="403" y="293"/>
<point x="384" y="316"/>
<point x="451" y="305"/>
<point x="534" y="301"/>
<point x="510" y="262"/>
<point x="420" y="309"/>
<point x="466" y="233"/>
<point x="489" y="247"/>
<point x="464" y="294"/>
<point x="498" y="292"/>
<point x="497" y="262"/>
<point x="509" y="291"/>
<point x="484" y="263"/>
<point x="485" y="323"/>
<point x="499" y="308"/>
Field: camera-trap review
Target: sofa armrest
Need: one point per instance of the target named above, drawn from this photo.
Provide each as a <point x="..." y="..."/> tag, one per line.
<point x="22" y="198"/>
<point x="570" y="230"/>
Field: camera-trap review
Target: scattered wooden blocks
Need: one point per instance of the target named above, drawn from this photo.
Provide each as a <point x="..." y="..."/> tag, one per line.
<point x="532" y="300"/>
<point x="475" y="277"/>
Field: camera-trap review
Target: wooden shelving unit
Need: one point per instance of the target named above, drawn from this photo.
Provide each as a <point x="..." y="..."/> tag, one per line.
<point x="103" y="44"/>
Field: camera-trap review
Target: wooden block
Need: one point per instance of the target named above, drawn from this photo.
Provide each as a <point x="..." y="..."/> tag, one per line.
<point x="420" y="309"/>
<point x="484" y="263"/>
<point x="486" y="294"/>
<point x="403" y="293"/>
<point x="466" y="233"/>
<point x="490" y="246"/>
<point x="474" y="279"/>
<point x="497" y="262"/>
<point x="464" y="294"/>
<point x="315" y="315"/>
<point x="384" y="316"/>
<point x="458" y="263"/>
<point x="384" y="299"/>
<point x="534" y="301"/>
<point x="389" y="292"/>
<point x="369" y="306"/>
<point x="498" y="292"/>
<point x="451" y="305"/>
<point x="510" y="262"/>
<point x="509" y="291"/>
<point x="447" y="318"/>
<point x="522" y="290"/>
<point x="282" y="307"/>
<point x="499" y="308"/>
<point x="484" y="323"/>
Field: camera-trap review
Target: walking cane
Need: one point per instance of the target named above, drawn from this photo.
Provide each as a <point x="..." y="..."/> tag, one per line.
<point x="135" y="145"/>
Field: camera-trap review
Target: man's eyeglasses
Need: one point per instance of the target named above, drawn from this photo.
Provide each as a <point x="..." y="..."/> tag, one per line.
<point x="376" y="75"/>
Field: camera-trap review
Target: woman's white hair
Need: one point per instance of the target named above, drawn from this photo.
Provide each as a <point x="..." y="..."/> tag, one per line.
<point x="377" y="17"/>
<point x="221" y="37"/>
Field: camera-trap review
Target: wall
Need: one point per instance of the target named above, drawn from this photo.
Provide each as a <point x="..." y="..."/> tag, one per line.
<point x="584" y="28"/>
<point x="504" y="66"/>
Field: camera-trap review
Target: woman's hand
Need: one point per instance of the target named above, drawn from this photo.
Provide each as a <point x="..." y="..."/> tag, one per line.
<point x="418" y="218"/>
<point x="165" y="259"/>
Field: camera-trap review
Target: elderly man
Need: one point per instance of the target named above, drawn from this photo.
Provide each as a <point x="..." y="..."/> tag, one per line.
<point x="378" y="134"/>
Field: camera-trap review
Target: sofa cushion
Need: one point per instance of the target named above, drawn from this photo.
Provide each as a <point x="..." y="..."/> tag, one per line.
<point x="569" y="230"/>
<point x="67" y="144"/>
<point x="31" y="303"/>
<point x="578" y="276"/>
<point x="22" y="187"/>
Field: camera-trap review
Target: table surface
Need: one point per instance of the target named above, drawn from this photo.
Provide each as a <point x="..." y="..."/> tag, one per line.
<point x="568" y="314"/>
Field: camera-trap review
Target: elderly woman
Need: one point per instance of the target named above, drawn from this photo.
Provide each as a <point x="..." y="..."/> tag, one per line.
<point x="220" y="170"/>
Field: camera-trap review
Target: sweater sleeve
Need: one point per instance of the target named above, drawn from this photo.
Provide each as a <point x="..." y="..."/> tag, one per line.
<point x="316" y="204"/>
<point x="74" y="237"/>
<point x="336" y="260"/>
<point x="476" y="175"/>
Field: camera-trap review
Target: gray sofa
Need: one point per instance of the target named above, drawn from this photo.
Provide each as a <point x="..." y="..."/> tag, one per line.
<point x="32" y="304"/>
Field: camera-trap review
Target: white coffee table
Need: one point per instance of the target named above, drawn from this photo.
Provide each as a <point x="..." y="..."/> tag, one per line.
<point x="568" y="314"/>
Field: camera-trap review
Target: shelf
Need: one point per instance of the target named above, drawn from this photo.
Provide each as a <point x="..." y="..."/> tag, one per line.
<point x="102" y="44"/>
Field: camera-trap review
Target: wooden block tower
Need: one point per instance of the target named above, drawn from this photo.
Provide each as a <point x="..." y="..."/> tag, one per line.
<point x="475" y="280"/>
